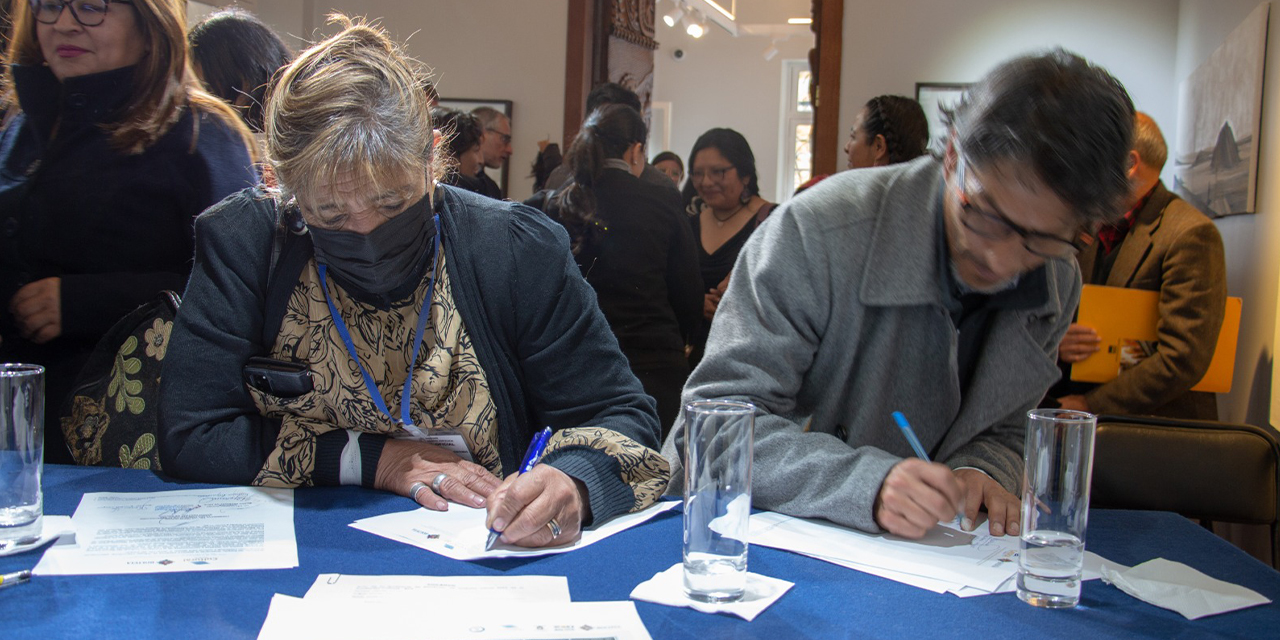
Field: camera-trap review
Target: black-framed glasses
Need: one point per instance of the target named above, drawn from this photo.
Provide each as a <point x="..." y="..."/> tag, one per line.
<point x="994" y="226"/>
<point x="506" y="137"/>
<point x="715" y="174"/>
<point x="89" y="13"/>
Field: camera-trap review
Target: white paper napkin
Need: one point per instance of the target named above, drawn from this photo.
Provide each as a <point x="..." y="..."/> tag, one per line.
<point x="668" y="588"/>
<point x="52" y="527"/>
<point x="1175" y="586"/>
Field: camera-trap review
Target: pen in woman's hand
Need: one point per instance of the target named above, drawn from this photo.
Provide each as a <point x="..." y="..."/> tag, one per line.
<point x="531" y="458"/>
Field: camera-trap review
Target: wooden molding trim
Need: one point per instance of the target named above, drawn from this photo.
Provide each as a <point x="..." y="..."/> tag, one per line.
<point x="828" y="25"/>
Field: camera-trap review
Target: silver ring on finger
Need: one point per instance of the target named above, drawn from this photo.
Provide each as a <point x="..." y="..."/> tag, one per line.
<point x="439" y="480"/>
<point x="415" y="489"/>
<point x="555" y="528"/>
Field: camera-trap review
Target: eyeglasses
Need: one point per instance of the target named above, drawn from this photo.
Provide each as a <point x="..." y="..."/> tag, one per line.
<point x="716" y="175"/>
<point x="89" y="13"/>
<point x="506" y="137"/>
<point x="995" y="226"/>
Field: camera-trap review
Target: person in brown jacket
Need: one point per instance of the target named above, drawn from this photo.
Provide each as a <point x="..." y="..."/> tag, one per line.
<point x="1162" y="244"/>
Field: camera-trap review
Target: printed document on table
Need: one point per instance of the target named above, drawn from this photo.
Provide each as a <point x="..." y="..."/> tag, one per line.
<point x="414" y="590"/>
<point x="290" y="618"/>
<point x="173" y="531"/>
<point x="459" y="533"/>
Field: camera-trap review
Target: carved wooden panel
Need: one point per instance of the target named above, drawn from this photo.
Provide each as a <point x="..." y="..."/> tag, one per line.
<point x="633" y="21"/>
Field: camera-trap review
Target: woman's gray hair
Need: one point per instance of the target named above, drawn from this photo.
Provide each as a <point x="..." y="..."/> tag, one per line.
<point x="351" y="106"/>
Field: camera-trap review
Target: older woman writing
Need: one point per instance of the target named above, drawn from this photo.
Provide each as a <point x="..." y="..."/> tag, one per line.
<point x="429" y="335"/>
<point x="110" y="149"/>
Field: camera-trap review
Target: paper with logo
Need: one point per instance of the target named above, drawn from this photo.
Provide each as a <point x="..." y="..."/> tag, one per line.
<point x="174" y="531"/>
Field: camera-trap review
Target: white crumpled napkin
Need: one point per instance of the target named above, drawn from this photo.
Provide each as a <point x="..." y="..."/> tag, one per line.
<point x="668" y="588"/>
<point x="51" y="527"/>
<point x="1177" y="587"/>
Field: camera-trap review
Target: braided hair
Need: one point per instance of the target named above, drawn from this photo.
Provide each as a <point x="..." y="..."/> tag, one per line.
<point x="902" y="123"/>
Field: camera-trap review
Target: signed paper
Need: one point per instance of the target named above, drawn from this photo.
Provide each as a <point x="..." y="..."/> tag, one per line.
<point x="173" y="531"/>
<point x="459" y="533"/>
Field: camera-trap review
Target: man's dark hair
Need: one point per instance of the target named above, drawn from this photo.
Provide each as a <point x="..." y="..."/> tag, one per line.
<point x="612" y="93"/>
<point x="237" y="54"/>
<point x="902" y="123"/>
<point x="735" y="149"/>
<point x="1069" y="121"/>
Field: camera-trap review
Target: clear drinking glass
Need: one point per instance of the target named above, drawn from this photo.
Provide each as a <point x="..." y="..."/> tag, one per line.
<point x="717" y="498"/>
<point x="1057" y="468"/>
<point x="21" y="452"/>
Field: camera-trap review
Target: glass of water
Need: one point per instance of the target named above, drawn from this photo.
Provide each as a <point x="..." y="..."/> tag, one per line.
<point x="717" y="498"/>
<point x="1057" y="468"/>
<point x="21" y="452"/>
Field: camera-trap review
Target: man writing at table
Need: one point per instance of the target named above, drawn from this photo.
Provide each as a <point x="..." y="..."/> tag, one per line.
<point x="938" y="288"/>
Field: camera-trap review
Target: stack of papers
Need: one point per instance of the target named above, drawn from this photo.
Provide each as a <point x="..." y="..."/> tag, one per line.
<point x="172" y="531"/>
<point x="459" y="533"/>
<point x="946" y="560"/>
<point x="341" y="607"/>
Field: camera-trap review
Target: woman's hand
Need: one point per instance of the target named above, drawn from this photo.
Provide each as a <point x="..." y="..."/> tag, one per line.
<point x="406" y="462"/>
<point x="525" y="505"/>
<point x="37" y="310"/>
<point x="710" y="301"/>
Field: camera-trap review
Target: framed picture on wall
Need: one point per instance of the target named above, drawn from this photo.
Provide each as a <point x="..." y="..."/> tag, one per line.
<point x="500" y="176"/>
<point x="933" y="96"/>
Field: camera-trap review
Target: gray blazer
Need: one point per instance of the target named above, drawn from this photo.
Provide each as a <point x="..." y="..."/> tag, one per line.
<point x="835" y="319"/>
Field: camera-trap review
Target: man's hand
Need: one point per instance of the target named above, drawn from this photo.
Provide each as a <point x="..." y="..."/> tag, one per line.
<point x="1079" y="343"/>
<point x="915" y="496"/>
<point x="1074" y="403"/>
<point x="524" y="504"/>
<point x="37" y="310"/>
<point x="1004" y="510"/>
<point x="405" y="462"/>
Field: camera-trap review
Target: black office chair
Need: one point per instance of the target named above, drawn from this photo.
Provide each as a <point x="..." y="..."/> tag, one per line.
<point x="1210" y="471"/>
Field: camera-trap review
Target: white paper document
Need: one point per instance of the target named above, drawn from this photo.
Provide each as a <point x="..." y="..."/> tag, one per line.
<point x="173" y="531"/>
<point x="459" y="533"/>
<point x="290" y="618"/>
<point x="966" y="563"/>
<point x="352" y="590"/>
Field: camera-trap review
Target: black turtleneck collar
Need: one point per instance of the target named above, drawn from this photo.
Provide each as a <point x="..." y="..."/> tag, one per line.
<point x="95" y="98"/>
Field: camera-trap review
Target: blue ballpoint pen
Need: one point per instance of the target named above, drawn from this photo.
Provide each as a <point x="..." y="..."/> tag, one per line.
<point x="917" y="447"/>
<point x="531" y="458"/>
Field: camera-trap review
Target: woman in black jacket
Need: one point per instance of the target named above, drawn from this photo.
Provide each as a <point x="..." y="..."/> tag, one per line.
<point x="109" y="151"/>
<point x="636" y="250"/>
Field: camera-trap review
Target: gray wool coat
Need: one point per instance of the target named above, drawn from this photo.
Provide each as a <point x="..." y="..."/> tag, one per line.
<point x="834" y="318"/>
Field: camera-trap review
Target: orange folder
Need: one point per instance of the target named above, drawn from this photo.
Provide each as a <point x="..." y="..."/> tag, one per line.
<point x="1125" y="319"/>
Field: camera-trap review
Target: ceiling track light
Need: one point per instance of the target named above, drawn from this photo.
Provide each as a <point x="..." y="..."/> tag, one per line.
<point x="674" y="16"/>
<point x="697" y="25"/>
<point x="772" y="51"/>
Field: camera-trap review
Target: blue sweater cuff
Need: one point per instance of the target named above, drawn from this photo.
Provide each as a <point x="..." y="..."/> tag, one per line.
<point x="608" y="495"/>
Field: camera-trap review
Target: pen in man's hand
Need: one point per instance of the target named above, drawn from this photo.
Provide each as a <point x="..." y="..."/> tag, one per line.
<point x="910" y="435"/>
<point x="14" y="579"/>
<point x="531" y="458"/>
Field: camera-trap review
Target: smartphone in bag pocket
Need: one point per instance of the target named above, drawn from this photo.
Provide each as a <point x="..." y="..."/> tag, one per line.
<point x="280" y="378"/>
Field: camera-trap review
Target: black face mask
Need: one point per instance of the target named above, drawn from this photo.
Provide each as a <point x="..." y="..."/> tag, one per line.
<point x="383" y="259"/>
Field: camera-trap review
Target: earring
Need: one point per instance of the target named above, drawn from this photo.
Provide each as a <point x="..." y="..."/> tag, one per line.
<point x="745" y="197"/>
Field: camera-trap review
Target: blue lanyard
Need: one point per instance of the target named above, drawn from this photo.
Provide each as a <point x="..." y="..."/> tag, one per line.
<point x="404" y="421"/>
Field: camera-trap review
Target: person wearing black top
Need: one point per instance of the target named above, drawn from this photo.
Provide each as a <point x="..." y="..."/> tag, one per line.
<point x="725" y="207"/>
<point x="635" y="249"/>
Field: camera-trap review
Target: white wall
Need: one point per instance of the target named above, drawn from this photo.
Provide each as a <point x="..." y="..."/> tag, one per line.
<point x="482" y="49"/>
<point x="890" y="46"/>
<point x="1252" y="241"/>
<point x="725" y="82"/>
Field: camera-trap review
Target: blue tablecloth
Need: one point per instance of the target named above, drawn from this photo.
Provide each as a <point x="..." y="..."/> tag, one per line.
<point x="826" y="602"/>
